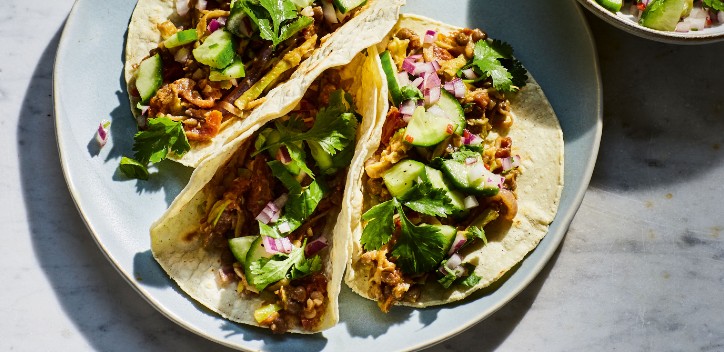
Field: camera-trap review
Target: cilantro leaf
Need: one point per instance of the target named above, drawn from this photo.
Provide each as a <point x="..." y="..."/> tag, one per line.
<point x="162" y="135"/>
<point x="470" y="281"/>
<point x="410" y="92"/>
<point x="426" y="199"/>
<point x="418" y="248"/>
<point x="299" y="207"/>
<point x="494" y="60"/>
<point x="474" y="232"/>
<point x="281" y="173"/>
<point x="715" y="4"/>
<point x="334" y="127"/>
<point x="380" y="225"/>
<point x="298" y="158"/>
<point x="449" y="278"/>
<point x="133" y="169"/>
<point x="277" y="20"/>
<point x="267" y="271"/>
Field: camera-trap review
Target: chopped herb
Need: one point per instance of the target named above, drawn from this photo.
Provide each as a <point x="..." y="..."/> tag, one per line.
<point x="267" y="271"/>
<point x="418" y="248"/>
<point x="494" y="60"/>
<point x="133" y="169"/>
<point x="380" y="225"/>
<point x="715" y="4"/>
<point x="426" y="199"/>
<point x="277" y="20"/>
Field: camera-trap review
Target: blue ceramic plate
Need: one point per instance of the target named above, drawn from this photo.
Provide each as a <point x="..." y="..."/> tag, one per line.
<point x="552" y="41"/>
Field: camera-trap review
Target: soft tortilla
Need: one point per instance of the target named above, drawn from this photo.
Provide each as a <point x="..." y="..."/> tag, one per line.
<point x="367" y="28"/>
<point x="537" y="138"/>
<point x="194" y="268"/>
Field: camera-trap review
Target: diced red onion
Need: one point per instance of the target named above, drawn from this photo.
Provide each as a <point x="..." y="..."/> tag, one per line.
<point x="471" y="160"/>
<point x="417" y="83"/>
<point x="720" y="16"/>
<point x="449" y="87"/>
<point x="408" y="66"/>
<point x="102" y="133"/>
<point x="470" y="74"/>
<point x="182" y="55"/>
<point x="281" y="201"/>
<point x="416" y="57"/>
<point x="403" y="79"/>
<point x="277" y="245"/>
<point x="516" y="161"/>
<point x="315" y="246"/>
<point x="435" y="65"/>
<point x="221" y="20"/>
<point x="283" y="155"/>
<point x="457" y="243"/>
<point x="408" y="107"/>
<point x="471" y="139"/>
<point x="506" y="163"/>
<point x="225" y="275"/>
<point x="459" y="88"/>
<point x="454" y="261"/>
<point x="430" y="36"/>
<point x="284" y="227"/>
<point x="431" y="81"/>
<point x="213" y="25"/>
<point x="424" y="67"/>
<point x="272" y="210"/>
<point x="330" y="14"/>
<point x="470" y="202"/>
<point x="201" y="4"/>
<point x="432" y="95"/>
<point x="406" y="118"/>
<point x="144" y="111"/>
<point x="182" y="7"/>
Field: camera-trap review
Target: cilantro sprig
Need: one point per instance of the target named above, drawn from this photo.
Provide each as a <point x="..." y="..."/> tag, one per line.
<point x="424" y="198"/>
<point x="153" y="145"/>
<point x="418" y="248"/>
<point x="267" y="271"/>
<point x="299" y="207"/>
<point x="277" y="20"/>
<point x="494" y="60"/>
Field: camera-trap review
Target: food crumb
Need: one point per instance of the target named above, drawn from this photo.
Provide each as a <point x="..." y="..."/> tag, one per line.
<point x="669" y="196"/>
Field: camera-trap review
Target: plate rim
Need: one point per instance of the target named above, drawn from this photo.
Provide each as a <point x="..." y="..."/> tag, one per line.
<point x="564" y="218"/>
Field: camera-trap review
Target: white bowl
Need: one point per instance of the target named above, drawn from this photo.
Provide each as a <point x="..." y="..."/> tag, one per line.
<point x="629" y="24"/>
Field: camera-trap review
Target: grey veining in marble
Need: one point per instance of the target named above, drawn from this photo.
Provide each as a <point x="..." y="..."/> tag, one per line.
<point x="641" y="268"/>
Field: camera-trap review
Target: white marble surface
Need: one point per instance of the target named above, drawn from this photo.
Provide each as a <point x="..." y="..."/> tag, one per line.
<point x="641" y="268"/>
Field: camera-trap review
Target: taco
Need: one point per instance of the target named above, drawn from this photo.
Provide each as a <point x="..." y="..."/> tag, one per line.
<point x="201" y="72"/>
<point x="255" y="234"/>
<point x="462" y="173"/>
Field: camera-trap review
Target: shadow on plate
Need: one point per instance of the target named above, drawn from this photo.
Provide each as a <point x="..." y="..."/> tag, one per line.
<point x="683" y="143"/>
<point x="93" y="297"/>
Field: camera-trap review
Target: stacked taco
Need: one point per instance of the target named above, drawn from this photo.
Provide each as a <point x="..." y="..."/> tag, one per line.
<point x="425" y="165"/>
<point x="200" y="72"/>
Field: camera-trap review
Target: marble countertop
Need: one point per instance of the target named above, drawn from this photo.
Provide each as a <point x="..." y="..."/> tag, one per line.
<point x="641" y="268"/>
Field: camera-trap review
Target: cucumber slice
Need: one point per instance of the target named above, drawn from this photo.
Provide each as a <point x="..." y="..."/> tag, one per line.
<point x="611" y="5"/>
<point x="255" y="252"/>
<point x="427" y="129"/>
<point x="235" y="70"/>
<point x="345" y="5"/>
<point x="240" y="247"/>
<point x="453" y="110"/>
<point x="403" y="176"/>
<point x="217" y="51"/>
<point x="181" y="38"/>
<point x="663" y="14"/>
<point x="459" y="174"/>
<point x="149" y="77"/>
<point x="388" y="65"/>
<point x="448" y="234"/>
<point x="436" y="179"/>
<point x="323" y="159"/>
